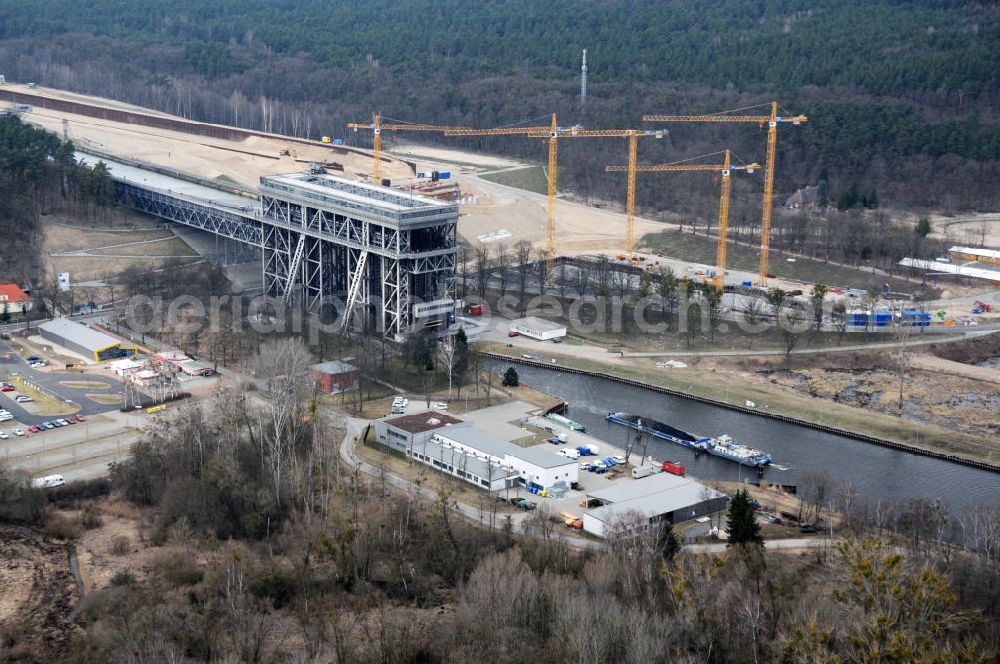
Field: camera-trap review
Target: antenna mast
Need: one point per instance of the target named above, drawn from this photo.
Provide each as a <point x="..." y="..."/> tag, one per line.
<point x="583" y="83"/>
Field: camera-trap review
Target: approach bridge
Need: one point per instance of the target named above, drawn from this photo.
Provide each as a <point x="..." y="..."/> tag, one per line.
<point x="384" y="257"/>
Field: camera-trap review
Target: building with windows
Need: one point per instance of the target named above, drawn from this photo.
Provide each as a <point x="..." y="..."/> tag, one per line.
<point x="13" y="300"/>
<point x="88" y="342"/>
<point x="458" y="448"/>
<point x="650" y="500"/>
<point x="335" y="376"/>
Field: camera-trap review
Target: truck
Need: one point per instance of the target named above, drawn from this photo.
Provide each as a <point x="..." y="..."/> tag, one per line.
<point x="475" y="310"/>
<point x="571" y="520"/>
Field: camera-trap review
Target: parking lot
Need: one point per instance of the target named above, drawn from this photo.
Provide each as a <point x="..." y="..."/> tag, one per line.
<point x="95" y="432"/>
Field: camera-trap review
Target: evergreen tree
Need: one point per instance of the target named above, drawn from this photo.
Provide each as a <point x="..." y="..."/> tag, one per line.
<point x="510" y="378"/>
<point x="743" y="527"/>
<point x="667" y="543"/>
<point x="873" y="199"/>
<point x="822" y="194"/>
<point x="923" y="228"/>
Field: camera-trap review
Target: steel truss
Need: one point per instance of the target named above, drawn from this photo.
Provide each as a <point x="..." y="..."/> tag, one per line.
<point x="311" y="255"/>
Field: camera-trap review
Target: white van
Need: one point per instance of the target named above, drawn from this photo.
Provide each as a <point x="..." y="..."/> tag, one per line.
<point x="570" y="453"/>
<point x="47" y="482"/>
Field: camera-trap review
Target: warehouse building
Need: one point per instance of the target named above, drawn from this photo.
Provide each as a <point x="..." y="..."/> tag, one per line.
<point x="460" y="449"/>
<point x="85" y="341"/>
<point x="660" y="497"/>
<point x="335" y="377"/>
<point x="538" y="328"/>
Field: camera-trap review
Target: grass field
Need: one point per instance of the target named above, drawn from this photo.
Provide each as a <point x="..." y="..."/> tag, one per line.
<point x="532" y="178"/>
<point x="701" y="249"/>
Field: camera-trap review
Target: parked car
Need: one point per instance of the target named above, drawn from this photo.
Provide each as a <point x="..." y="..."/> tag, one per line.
<point x="512" y="333"/>
<point x="33" y="358"/>
<point x="569" y="453"/>
<point x="440" y="405"/>
<point x="34" y="429"/>
<point x="6" y="387"/>
<point x="17" y="432"/>
<point x="620" y="460"/>
<point x="23" y="398"/>
<point x="80" y="418"/>
<point x="4" y="435"/>
<point x="62" y="422"/>
<point x="48" y="425"/>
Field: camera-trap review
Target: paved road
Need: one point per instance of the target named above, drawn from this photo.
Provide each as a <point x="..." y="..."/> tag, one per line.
<point x="772" y="545"/>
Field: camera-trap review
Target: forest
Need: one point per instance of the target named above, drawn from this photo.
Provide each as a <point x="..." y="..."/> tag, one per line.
<point x="900" y="98"/>
<point x="39" y="175"/>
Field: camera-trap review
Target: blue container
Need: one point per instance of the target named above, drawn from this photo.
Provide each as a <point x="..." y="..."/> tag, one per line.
<point x="444" y="175"/>
<point x="747" y="284"/>
<point x="338" y="141"/>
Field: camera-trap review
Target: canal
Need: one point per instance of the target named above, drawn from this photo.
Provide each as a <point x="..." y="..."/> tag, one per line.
<point x="876" y="472"/>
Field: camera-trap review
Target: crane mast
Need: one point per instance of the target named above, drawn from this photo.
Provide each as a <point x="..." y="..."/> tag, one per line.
<point x="772" y="121"/>
<point x="725" y="168"/>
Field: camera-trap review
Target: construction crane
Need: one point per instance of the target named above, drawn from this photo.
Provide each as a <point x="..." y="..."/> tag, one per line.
<point x="551" y="131"/>
<point x="377" y="126"/>
<point x="554" y="133"/>
<point x="632" y="135"/>
<point x="772" y="121"/>
<point x="724" y="169"/>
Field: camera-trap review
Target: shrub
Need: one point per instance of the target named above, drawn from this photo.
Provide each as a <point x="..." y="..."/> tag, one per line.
<point x="179" y="569"/>
<point x="91" y="518"/>
<point x="121" y="546"/>
<point x="123" y="578"/>
<point x="59" y="527"/>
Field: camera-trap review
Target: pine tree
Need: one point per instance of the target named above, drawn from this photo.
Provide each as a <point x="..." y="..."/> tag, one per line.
<point x="873" y="199"/>
<point x="510" y="378"/>
<point x="743" y="527"/>
<point x="667" y="543"/>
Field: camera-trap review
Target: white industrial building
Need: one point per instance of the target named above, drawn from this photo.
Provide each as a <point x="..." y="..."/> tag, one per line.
<point x="538" y="328"/>
<point x="458" y="448"/>
<point x="660" y="497"/>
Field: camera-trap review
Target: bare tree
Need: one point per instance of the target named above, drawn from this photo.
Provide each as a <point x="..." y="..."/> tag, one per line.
<point x="502" y="264"/>
<point x="482" y="270"/>
<point x="522" y="256"/>
<point x="284" y="366"/>
<point x="446" y="357"/>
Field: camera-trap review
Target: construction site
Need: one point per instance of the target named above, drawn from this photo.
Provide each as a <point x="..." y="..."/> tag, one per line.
<point x="377" y="233"/>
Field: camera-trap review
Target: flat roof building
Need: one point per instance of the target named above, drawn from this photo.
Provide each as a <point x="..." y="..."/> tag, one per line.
<point x="538" y="328"/>
<point x="426" y="436"/>
<point x="660" y="497"/>
<point x="88" y="342"/>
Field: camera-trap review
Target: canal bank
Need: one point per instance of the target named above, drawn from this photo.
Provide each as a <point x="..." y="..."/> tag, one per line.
<point x="890" y="471"/>
<point x="731" y="388"/>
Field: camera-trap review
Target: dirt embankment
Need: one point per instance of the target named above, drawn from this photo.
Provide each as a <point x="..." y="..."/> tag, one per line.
<point x="37" y="594"/>
<point x="958" y="397"/>
<point x="970" y="351"/>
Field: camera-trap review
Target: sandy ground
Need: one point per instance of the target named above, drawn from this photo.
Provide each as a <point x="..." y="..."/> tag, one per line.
<point x="435" y="156"/>
<point x="243" y="161"/>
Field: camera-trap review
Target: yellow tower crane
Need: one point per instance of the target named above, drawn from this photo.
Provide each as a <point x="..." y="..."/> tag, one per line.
<point x="772" y="121"/>
<point x="554" y="133"/>
<point x="551" y="131"/>
<point x="377" y="126"/>
<point x="725" y="168"/>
